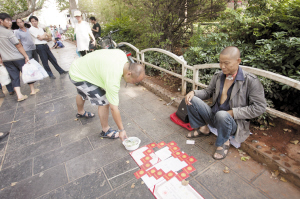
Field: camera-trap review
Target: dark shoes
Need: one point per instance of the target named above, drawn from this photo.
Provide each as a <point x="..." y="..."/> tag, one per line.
<point x="65" y="72"/>
<point x="3" y="134"/>
<point x="11" y="93"/>
<point x="52" y="77"/>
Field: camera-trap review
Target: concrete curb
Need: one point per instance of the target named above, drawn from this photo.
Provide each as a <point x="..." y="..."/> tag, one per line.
<point x="288" y="168"/>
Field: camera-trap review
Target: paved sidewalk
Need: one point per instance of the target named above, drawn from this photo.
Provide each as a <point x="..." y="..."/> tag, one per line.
<point x="49" y="154"/>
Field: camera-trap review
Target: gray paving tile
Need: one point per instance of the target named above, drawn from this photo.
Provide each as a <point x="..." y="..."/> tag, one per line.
<point x="90" y="186"/>
<point x="120" y="172"/>
<point x="153" y="126"/>
<point x="26" y="111"/>
<point x="2" y="148"/>
<point x="45" y="122"/>
<point x="223" y="185"/>
<point x="37" y="185"/>
<point x="56" y="129"/>
<point x="9" y="104"/>
<point x="16" y="143"/>
<point x="80" y="133"/>
<point x="140" y="191"/>
<point x="95" y="159"/>
<point x="67" y="115"/>
<point x="15" y="173"/>
<point x="31" y="151"/>
<point x="41" y="109"/>
<point x="7" y="116"/>
<point x="60" y="155"/>
<point x="201" y="190"/>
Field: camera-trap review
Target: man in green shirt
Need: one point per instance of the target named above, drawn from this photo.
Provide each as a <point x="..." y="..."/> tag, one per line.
<point x="97" y="77"/>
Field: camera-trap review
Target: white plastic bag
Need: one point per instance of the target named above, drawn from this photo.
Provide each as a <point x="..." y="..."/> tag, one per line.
<point x="4" y="76"/>
<point x="31" y="73"/>
<point x="41" y="68"/>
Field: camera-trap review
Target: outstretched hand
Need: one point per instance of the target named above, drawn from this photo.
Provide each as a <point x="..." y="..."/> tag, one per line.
<point x="123" y="135"/>
<point x="189" y="97"/>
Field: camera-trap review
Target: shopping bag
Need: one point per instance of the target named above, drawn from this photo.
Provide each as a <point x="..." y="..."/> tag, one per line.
<point x="41" y="68"/>
<point x="4" y="76"/>
<point x="31" y="73"/>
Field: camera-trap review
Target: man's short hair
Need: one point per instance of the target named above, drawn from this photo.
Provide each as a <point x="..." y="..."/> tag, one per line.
<point x="33" y="17"/>
<point x="4" y="16"/>
<point x="20" y="19"/>
<point x="232" y="51"/>
<point x="136" y="69"/>
<point x="93" y="18"/>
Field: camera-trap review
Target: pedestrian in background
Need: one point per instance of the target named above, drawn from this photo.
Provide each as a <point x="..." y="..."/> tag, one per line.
<point x="83" y="31"/>
<point x="13" y="55"/>
<point x="42" y="47"/>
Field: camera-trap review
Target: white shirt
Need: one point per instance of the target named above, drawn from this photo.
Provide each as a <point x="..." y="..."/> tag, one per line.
<point x="82" y="31"/>
<point x="34" y="33"/>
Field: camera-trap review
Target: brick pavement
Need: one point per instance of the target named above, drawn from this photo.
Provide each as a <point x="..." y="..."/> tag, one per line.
<point x="48" y="154"/>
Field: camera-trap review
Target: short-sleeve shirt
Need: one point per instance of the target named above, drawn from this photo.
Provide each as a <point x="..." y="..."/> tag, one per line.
<point x="97" y="34"/>
<point x="34" y="33"/>
<point x="26" y="39"/>
<point x="82" y="31"/>
<point x="8" y="50"/>
<point x="103" y="68"/>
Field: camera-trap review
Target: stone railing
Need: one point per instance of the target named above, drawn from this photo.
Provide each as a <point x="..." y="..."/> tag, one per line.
<point x="140" y="58"/>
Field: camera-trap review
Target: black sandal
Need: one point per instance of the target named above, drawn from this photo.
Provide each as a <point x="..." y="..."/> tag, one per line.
<point x="85" y="114"/>
<point x="110" y="130"/>
<point x="222" y="152"/>
<point x="200" y="134"/>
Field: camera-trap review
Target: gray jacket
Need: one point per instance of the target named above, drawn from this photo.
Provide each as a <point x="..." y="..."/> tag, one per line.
<point x="247" y="100"/>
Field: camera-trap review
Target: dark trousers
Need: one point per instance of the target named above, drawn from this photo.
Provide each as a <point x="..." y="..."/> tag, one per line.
<point x="8" y="87"/>
<point x="14" y="68"/>
<point x="33" y="54"/>
<point x="45" y="55"/>
<point x="84" y="52"/>
<point x="200" y="114"/>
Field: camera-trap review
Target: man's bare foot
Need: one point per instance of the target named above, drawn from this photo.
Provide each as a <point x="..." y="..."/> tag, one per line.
<point x="203" y="129"/>
<point x="222" y="152"/>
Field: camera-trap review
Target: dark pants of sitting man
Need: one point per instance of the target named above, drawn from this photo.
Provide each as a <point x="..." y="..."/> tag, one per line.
<point x="200" y="114"/>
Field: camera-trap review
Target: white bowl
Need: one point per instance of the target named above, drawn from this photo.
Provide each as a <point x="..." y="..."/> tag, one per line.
<point x="131" y="148"/>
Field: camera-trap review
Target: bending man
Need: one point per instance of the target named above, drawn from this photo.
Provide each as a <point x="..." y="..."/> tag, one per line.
<point x="97" y="77"/>
<point x="237" y="96"/>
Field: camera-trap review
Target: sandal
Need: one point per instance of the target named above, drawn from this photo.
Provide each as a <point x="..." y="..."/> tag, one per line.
<point x="221" y="152"/>
<point x="23" y="98"/>
<point x="85" y="114"/>
<point x="35" y="90"/>
<point x="110" y="130"/>
<point x="200" y="134"/>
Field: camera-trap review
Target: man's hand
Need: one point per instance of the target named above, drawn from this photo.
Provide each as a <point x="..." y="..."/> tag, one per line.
<point x="189" y="97"/>
<point x="94" y="42"/>
<point x="26" y="60"/>
<point x="230" y="113"/>
<point x="123" y="135"/>
<point x="39" y="37"/>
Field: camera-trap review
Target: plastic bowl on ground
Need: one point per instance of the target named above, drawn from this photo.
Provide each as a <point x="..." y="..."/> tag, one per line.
<point x="131" y="143"/>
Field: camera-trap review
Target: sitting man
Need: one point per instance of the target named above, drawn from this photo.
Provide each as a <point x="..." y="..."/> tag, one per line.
<point x="97" y="77"/>
<point x="237" y="97"/>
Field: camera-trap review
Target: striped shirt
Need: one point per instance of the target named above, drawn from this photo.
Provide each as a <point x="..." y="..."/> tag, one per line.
<point x="8" y="50"/>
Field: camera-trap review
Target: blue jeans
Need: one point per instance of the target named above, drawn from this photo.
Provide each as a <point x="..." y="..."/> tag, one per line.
<point x="8" y="87"/>
<point x="45" y="55"/>
<point x="200" y="114"/>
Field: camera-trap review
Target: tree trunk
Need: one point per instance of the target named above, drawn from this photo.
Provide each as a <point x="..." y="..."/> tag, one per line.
<point x="235" y="4"/>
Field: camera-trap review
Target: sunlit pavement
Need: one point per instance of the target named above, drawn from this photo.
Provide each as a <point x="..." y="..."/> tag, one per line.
<point x="51" y="154"/>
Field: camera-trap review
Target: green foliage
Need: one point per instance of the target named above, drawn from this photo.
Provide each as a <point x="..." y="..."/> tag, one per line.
<point x="267" y="34"/>
<point x="163" y="61"/>
<point x="13" y="7"/>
